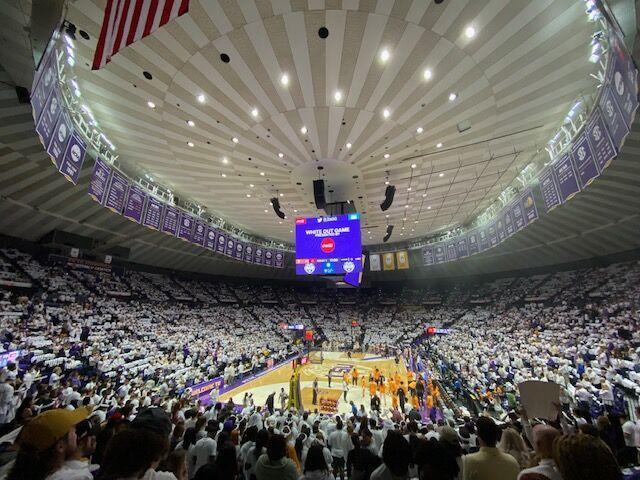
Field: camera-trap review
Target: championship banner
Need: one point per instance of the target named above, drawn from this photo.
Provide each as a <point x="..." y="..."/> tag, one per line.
<point x="199" y="232"/>
<point x="402" y="259"/>
<point x="210" y="239"/>
<point x="116" y="192"/>
<point x="439" y="253"/>
<point x="230" y="247"/>
<point x="500" y="228"/>
<point x="472" y="242"/>
<point x="221" y="243"/>
<point x="623" y="77"/>
<point x="529" y="206"/>
<point x="616" y="124"/>
<point x="239" y="251"/>
<point x="518" y="214"/>
<point x="461" y="247"/>
<point x="492" y="234"/>
<point x="549" y="190"/>
<point x="388" y="261"/>
<point x="49" y="117"/>
<point x="278" y="259"/>
<point x="427" y="255"/>
<point x="134" y="206"/>
<point x="153" y="213"/>
<point x="73" y="158"/>
<point x="58" y="144"/>
<point x="374" y="262"/>
<point x="509" y="228"/>
<point x="600" y="140"/>
<point x="99" y="180"/>
<point x="268" y="257"/>
<point x="248" y="253"/>
<point x="170" y="220"/>
<point x="185" y="230"/>
<point x="46" y="77"/>
<point x="452" y="253"/>
<point x="583" y="160"/>
<point x="566" y="176"/>
<point x="258" y="255"/>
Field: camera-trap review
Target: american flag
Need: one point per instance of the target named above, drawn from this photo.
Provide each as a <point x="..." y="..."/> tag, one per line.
<point x="126" y="21"/>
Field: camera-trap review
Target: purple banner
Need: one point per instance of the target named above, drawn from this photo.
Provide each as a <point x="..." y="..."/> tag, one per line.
<point x="73" y="158"/>
<point x="134" y="206"/>
<point x="44" y="82"/>
<point x="616" y="124"/>
<point x="199" y="232"/>
<point x="230" y="247"/>
<point x="440" y="253"/>
<point x="185" y="230"/>
<point x="239" y="251"/>
<point x="222" y="242"/>
<point x="268" y="257"/>
<point x="500" y="228"/>
<point x="472" y="242"/>
<point x="483" y="236"/>
<point x="549" y="190"/>
<point x="259" y="255"/>
<point x="210" y="239"/>
<point x="452" y="254"/>
<point x="427" y="255"/>
<point x="153" y="213"/>
<point x="566" y="177"/>
<point x="60" y="138"/>
<point x="509" y="228"/>
<point x="603" y="150"/>
<point x="248" y="253"/>
<point x="278" y="259"/>
<point x="202" y="391"/>
<point x="99" y="180"/>
<point x="583" y="160"/>
<point x="461" y="247"/>
<point x="116" y="192"/>
<point x="529" y="206"/>
<point x="492" y="234"/>
<point x="623" y="79"/>
<point x="170" y="220"/>
<point x="517" y="214"/>
<point x="49" y="117"/>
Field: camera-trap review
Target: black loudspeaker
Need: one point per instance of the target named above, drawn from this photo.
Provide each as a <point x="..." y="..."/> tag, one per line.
<point x="388" y="197"/>
<point x="318" y="194"/>
<point x="389" y="232"/>
<point x="275" y="203"/>
<point x="22" y="94"/>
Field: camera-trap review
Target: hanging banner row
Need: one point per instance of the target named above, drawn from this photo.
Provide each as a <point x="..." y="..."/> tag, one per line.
<point x="389" y="261"/>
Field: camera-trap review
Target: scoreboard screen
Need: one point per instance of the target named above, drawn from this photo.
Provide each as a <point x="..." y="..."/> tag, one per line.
<point x="328" y="245"/>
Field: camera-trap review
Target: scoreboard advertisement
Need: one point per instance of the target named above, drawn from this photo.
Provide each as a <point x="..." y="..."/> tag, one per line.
<point x="328" y="245"/>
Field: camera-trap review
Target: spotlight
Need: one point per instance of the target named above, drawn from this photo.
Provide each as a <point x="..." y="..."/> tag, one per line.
<point x="388" y="197"/>
<point x="389" y="232"/>
<point x="275" y="203"/>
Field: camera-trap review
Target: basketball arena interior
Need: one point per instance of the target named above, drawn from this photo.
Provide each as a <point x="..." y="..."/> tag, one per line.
<point x="319" y="240"/>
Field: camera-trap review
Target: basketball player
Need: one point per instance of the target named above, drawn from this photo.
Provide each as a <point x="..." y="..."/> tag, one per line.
<point x="354" y="377"/>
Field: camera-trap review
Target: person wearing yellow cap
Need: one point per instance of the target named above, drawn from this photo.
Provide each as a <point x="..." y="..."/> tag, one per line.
<point x="47" y="445"/>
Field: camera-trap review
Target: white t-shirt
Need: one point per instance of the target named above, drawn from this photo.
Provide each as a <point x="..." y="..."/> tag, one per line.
<point x="205" y="448"/>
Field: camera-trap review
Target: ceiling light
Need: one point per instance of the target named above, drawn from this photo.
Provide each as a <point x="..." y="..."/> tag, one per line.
<point x="429" y="207"/>
<point x="225" y="160"/>
<point x="224" y="175"/>
<point x="427" y="74"/>
<point x="290" y="231"/>
<point x="295" y="211"/>
<point x="281" y="154"/>
<point x="201" y="98"/>
<point x="413" y="165"/>
<point x="424" y="195"/>
<point x="386" y="155"/>
<point x="284" y="79"/>
<point x="280" y="223"/>
<point x="415" y="221"/>
<point x="348" y="145"/>
<point x="254" y="112"/>
<point x="386" y="182"/>
<point x="303" y="130"/>
<point x="191" y="123"/>
<point x="408" y="189"/>
<point x="282" y="194"/>
<point x="386" y="113"/>
<point x="262" y="174"/>
<point x="150" y="104"/>
<point x="384" y="55"/>
<point x="387" y="215"/>
<point x="406" y="206"/>
<point x="337" y="96"/>
<point x="419" y="130"/>
<point x="251" y="185"/>
<point x="266" y="211"/>
<point x="441" y="174"/>
<point x="452" y="96"/>
<point x="470" y="31"/>
<point x="438" y="145"/>
<point x="248" y="195"/>
<point x="190" y="144"/>
<point x="235" y="140"/>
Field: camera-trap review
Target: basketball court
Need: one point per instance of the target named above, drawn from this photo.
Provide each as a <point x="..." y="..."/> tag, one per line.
<point x="335" y="364"/>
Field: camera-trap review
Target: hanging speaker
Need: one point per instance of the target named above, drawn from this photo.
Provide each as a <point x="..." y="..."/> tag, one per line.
<point x="389" y="232"/>
<point x="388" y="197"/>
<point x="275" y="203"/>
<point x="318" y="194"/>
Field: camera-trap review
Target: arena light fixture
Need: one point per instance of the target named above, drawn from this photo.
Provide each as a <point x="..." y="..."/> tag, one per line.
<point x="384" y="55"/>
<point x="191" y="144"/>
<point x="470" y="32"/>
<point x="225" y="160"/>
<point x="441" y="174"/>
<point x="284" y="79"/>
<point x="337" y="96"/>
<point x="419" y="130"/>
<point x="255" y="113"/>
<point x="262" y="174"/>
<point x="191" y="123"/>
<point x="427" y="74"/>
<point x="303" y="130"/>
<point x="386" y="113"/>
<point x="235" y="140"/>
<point x="201" y="98"/>
<point x="386" y="155"/>
<point x="439" y="145"/>
<point x="224" y="175"/>
<point x="348" y="145"/>
<point x="453" y="96"/>
<point x="150" y="104"/>
<point x="281" y="155"/>
<point x="414" y="165"/>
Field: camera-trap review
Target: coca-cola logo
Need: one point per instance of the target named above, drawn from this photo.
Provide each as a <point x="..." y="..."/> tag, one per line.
<point x="327" y="245"/>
